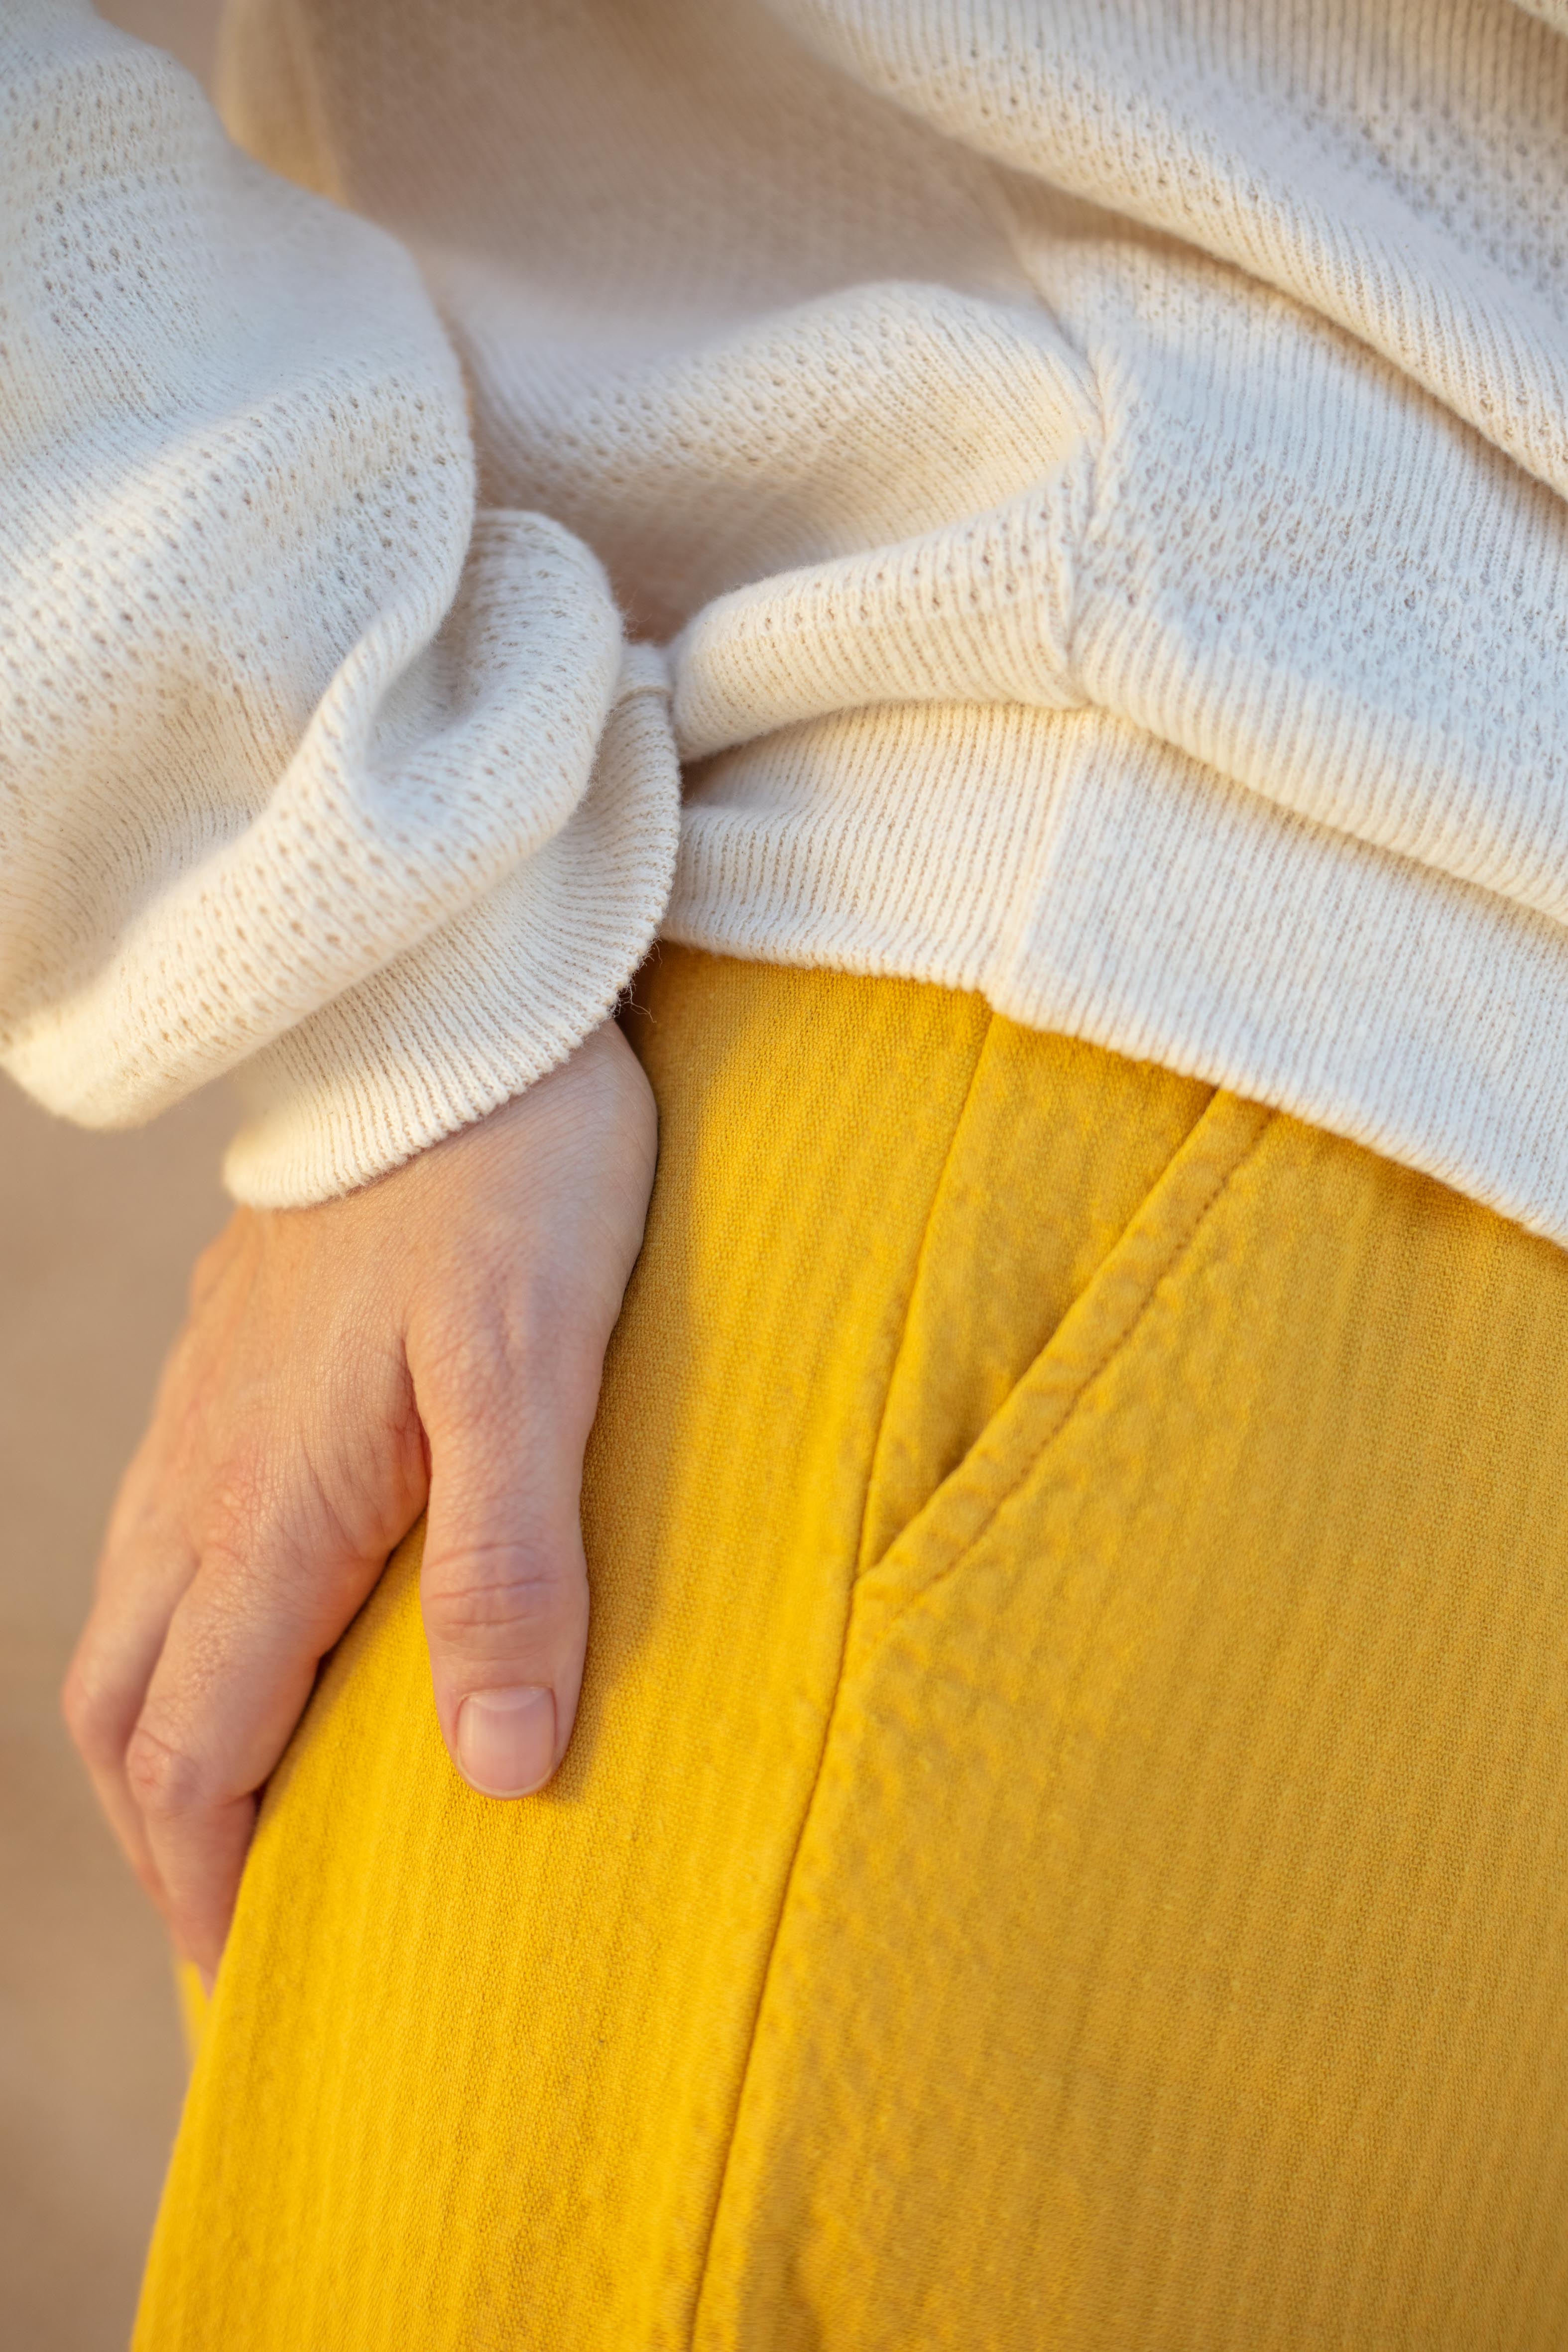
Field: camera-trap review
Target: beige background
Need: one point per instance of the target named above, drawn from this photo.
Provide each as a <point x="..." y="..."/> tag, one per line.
<point x="96" y="1236"/>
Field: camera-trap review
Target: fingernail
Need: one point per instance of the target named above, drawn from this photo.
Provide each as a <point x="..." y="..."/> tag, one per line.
<point x="506" y="1740"/>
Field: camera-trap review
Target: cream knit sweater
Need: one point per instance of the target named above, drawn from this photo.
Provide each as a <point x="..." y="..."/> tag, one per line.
<point x="1084" y="481"/>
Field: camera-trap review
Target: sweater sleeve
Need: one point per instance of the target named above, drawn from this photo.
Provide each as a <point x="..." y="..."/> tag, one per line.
<point x="309" y="772"/>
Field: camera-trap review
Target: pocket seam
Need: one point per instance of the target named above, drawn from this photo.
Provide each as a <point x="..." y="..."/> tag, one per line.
<point x="966" y="1483"/>
<point x="863" y="1566"/>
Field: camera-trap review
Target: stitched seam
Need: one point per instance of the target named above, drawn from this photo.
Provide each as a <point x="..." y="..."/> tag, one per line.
<point x="1091" y="469"/>
<point x="1037" y="1454"/>
<point x="861" y="1563"/>
<point x="833" y="1711"/>
<point x="954" y="1481"/>
<point x="1173" y="1257"/>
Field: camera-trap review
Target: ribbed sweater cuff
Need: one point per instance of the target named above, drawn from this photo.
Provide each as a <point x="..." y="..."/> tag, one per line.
<point x="484" y="1007"/>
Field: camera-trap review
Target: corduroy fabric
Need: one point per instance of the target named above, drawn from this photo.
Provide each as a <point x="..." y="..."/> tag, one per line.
<point x="1066" y="1840"/>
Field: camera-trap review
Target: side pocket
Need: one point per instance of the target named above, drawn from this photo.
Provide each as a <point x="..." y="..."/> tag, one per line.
<point x="1095" y="1327"/>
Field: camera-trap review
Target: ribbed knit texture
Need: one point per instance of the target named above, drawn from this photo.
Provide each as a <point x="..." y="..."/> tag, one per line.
<point x="1065" y="1847"/>
<point x="1100" y="473"/>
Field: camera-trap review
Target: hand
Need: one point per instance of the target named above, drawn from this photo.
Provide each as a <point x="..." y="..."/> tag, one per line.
<point x="437" y="1337"/>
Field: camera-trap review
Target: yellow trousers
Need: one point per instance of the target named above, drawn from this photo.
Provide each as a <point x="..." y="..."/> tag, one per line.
<point x="1066" y="1844"/>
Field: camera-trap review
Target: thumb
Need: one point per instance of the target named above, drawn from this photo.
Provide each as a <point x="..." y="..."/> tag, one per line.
<point x="504" y="1584"/>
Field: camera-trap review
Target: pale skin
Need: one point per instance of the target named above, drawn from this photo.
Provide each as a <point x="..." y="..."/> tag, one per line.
<point x="436" y="1338"/>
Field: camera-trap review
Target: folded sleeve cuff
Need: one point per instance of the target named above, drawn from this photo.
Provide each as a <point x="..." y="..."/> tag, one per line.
<point x="447" y="1032"/>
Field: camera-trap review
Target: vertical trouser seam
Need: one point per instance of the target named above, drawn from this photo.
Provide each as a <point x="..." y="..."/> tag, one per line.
<point x="806" y="1810"/>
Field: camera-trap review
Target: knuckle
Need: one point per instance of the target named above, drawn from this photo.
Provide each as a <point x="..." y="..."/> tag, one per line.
<point x="167" y="1782"/>
<point x="94" y="1716"/>
<point x="490" y="1595"/>
<point x="241" y="1493"/>
<point x="482" y="1344"/>
<point x="472" y="1372"/>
